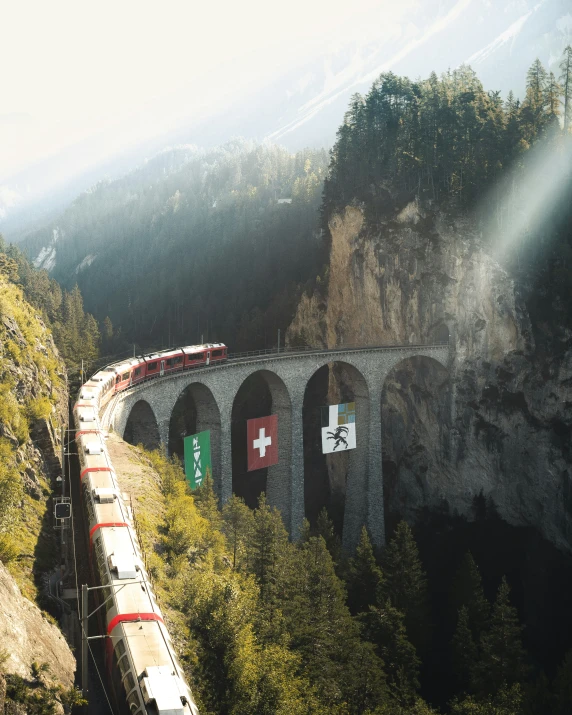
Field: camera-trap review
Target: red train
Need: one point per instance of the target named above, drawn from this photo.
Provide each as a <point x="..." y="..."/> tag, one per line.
<point x="121" y="375"/>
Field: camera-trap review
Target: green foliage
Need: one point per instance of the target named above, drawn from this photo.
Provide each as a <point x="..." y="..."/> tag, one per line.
<point x="39" y="408"/>
<point x="11" y="492"/>
<point x="502" y="658"/>
<point x="187" y="216"/>
<point x="468" y="591"/>
<point x="406" y="585"/>
<point x="40" y="697"/>
<point x="384" y="626"/>
<point x="364" y="577"/>
<point x="507" y="701"/>
<point x="237" y="526"/>
<point x="442" y="138"/>
<point x="75" y="332"/>
<point x="464" y="650"/>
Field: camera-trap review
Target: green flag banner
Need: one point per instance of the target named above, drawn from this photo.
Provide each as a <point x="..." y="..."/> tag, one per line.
<point x="197" y="458"/>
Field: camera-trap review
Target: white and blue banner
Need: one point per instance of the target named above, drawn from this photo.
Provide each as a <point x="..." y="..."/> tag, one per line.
<point x="338" y="428"/>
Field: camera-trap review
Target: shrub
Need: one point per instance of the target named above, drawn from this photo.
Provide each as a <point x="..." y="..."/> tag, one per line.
<point x="39" y="409"/>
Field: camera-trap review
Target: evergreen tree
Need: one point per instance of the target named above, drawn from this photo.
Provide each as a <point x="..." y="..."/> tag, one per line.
<point x="107" y="335"/>
<point x="502" y="656"/>
<point x="325" y="529"/>
<point x="552" y="95"/>
<point x="534" y="114"/>
<point x="406" y="584"/>
<point x="364" y="578"/>
<point x="384" y="627"/>
<point x="207" y="502"/>
<point x="507" y="701"/>
<point x="323" y="632"/>
<point x="467" y="590"/>
<point x="238" y="524"/>
<point x="464" y="650"/>
<point x="566" y="80"/>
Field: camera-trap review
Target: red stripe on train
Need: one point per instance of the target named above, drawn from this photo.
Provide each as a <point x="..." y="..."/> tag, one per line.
<point x="93" y="469"/>
<point x="103" y="524"/>
<point x="131" y="617"/>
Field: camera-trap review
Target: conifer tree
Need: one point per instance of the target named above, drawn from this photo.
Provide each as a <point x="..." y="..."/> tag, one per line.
<point x="464" y="650"/>
<point x="325" y="635"/>
<point x="406" y="584"/>
<point x="364" y="577"/>
<point x="534" y="106"/>
<point x="506" y="701"/>
<point x="502" y="656"/>
<point x="238" y="523"/>
<point x="467" y="590"/>
<point x="207" y="502"/>
<point x="566" y="81"/>
<point x="552" y="95"/>
<point x="384" y="627"/>
<point x="325" y="529"/>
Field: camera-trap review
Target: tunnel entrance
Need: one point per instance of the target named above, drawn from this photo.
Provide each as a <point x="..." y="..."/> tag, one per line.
<point x="141" y="427"/>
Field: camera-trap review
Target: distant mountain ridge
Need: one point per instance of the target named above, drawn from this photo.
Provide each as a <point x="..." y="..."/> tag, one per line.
<point x="303" y="107"/>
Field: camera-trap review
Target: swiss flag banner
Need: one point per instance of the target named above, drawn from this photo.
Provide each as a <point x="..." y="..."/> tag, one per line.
<point x="262" y="438"/>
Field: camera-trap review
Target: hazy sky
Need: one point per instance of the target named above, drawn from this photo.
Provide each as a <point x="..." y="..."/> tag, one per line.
<point x="72" y="69"/>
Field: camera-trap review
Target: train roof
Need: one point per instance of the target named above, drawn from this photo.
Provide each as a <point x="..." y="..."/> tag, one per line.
<point x="200" y="348"/>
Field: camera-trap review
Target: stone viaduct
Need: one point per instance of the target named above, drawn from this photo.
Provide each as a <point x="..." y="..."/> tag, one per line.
<point x="214" y="389"/>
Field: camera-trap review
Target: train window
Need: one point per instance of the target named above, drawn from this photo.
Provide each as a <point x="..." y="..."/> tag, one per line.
<point x="123" y="665"/>
<point x="133" y="701"/>
<point x="169" y="362"/>
<point x="117" y="379"/>
<point x="137" y="371"/>
<point x="125" y="376"/>
<point x="120" y="648"/>
<point x="198" y="356"/>
<point x="128" y="682"/>
<point x="216" y="353"/>
<point x="177" y="360"/>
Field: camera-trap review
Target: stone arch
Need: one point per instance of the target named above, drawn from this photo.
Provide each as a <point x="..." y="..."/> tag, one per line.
<point x="141" y="426"/>
<point x="347" y="472"/>
<point x="415" y="428"/>
<point x="278" y="477"/>
<point x="196" y="410"/>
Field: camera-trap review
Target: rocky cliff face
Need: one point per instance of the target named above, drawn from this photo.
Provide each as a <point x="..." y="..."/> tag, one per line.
<point x="498" y="422"/>
<point x="33" y="406"/>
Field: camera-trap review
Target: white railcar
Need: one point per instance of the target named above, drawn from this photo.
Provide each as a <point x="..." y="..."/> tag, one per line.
<point x="145" y="673"/>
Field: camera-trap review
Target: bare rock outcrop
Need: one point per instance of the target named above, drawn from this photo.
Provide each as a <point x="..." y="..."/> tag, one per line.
<point x="27" y="636"/>
<point x="498" y="422"/>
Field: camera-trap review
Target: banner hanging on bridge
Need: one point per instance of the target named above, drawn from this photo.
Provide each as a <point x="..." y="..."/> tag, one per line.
<point x="262" y="442"/>
<point x="338" y="427"/>
<point x="197" y="458"/>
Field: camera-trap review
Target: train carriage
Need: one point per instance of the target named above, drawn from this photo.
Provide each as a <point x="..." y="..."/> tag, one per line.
<point x="143" y="668"/>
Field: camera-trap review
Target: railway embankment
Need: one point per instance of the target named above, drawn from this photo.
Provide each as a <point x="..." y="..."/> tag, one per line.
<point x="142" y="484"/>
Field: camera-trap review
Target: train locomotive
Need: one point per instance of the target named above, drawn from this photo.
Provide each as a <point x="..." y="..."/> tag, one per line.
<point x="144" y="671"/>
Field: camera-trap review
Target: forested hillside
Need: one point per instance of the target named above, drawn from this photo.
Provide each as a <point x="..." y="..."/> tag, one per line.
<point x="75" y="332"/>
<point x="194" y="243"/>
<point x="276" y="627"/>
<point x="443" y="138"/>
